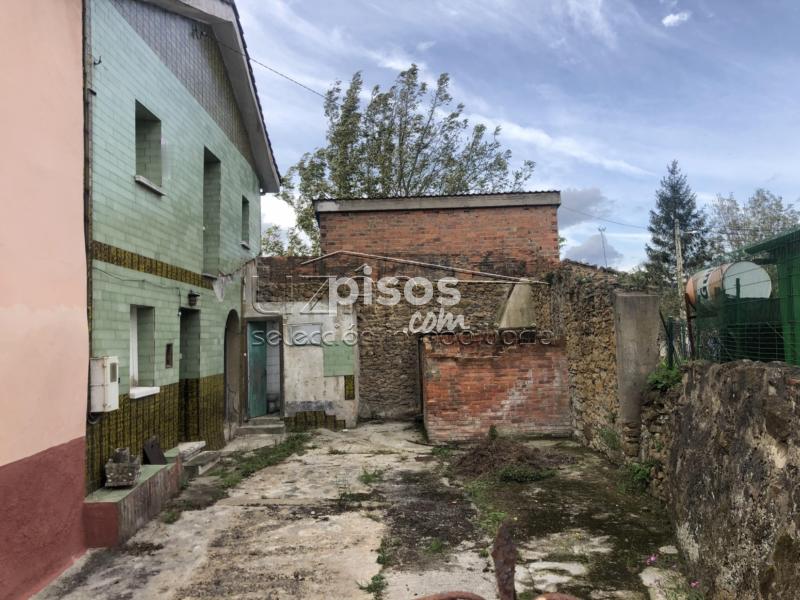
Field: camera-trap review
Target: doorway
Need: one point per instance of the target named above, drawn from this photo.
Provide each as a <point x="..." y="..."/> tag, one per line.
<point x="263" y="368"/>
<point x="232" y="373"/>
<point x="189" y="372"/>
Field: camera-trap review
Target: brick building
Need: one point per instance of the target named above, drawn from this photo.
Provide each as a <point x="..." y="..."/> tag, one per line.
<point x="179" y="158"/>
<point x="485" y="240"/>
<point x="514" y="234"/>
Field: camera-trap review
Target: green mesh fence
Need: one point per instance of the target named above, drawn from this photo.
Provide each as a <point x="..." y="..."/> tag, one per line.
<point x="754" y="312"/>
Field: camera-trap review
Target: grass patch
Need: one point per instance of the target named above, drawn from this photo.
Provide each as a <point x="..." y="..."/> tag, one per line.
<point x="386" y="552"/>
<point x="610" y="438"/>
<point x="442" y="452"/>
<point x="489" y="518"/>
<point x="368" y="477"/>
<point x="376" y="586"/>
<point x="247" y="463"/>
<point x="170" y="516"/>
<point x="336" y="451"/>
<point x="518" y="473"/>
<point x="436" y="546"/>
<point x="238" y="466"/>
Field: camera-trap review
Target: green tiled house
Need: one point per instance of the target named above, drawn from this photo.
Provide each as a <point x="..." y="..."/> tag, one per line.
<point x="179" y="157"/>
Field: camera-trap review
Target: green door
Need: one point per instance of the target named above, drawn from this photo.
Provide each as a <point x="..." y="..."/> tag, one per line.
<point x="256" y="369"/>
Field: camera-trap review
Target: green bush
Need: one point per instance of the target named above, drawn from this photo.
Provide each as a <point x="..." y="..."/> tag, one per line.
<point x="664" y="378"/>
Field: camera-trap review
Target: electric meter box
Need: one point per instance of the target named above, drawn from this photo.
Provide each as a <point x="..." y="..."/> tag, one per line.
<point x="104" y="384"/>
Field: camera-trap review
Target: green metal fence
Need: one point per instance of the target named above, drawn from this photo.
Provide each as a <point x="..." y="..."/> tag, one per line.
<point x="733" y="322"/>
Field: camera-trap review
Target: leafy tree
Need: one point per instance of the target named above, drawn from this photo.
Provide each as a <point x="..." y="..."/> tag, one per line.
<point x="405" y="141"/>
<point x="675" y="202"/>
<point x="762" y="216"/>
<point x="272" y="243"/>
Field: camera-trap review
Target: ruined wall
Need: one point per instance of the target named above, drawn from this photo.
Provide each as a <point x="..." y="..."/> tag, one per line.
<point x="515" y="383"/>
<point x="389" y="386"/>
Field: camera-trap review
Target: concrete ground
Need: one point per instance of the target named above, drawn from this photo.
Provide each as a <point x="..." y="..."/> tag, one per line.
<point x="371" y="513"/>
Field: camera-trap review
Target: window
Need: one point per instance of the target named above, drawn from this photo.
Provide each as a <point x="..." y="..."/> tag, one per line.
<point x="148" y="149"/>
<point x="168" y="357"/>
<point x="212" y="177"/>
<point x="142" y="351"/>
<point x="245" y="222"/>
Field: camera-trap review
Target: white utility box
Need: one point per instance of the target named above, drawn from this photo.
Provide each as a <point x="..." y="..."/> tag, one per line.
<point x="104" y="384"/>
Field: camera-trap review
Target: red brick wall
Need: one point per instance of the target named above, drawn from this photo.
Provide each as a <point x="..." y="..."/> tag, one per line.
<point x="519" y="240"/>
<point x="520" y="388"/>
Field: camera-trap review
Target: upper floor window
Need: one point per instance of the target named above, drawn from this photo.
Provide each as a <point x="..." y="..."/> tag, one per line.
<point x="245" y="222"/>
<point x="148" y="147"/>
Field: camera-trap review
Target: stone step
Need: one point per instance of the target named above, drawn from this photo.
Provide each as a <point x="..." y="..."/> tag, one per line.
<point x="201" y="463"/>
<point x="276" y="428"/>
<point x="270" y="420"/>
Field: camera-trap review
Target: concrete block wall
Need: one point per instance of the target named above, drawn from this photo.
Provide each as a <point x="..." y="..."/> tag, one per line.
<point x="518" y="388"/>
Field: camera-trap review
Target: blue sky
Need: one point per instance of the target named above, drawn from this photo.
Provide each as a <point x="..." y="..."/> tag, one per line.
<point x="601" y="94"/>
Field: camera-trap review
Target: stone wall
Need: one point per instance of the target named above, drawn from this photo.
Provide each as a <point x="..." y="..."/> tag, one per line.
<point x="511" y="380"/>
<point x="388" y="356"/>
<point x="725" y="449"/>
<point x="578" y="308"/>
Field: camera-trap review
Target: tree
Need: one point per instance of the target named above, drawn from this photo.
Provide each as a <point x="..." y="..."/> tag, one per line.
<point x="272" y="243"/>
<point x="405" y="141"/>
<point x="675" y="203"/>
<point x="762" y="216"/>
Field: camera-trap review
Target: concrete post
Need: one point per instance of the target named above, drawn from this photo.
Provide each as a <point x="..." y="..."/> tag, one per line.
<point x="636" y="323"/>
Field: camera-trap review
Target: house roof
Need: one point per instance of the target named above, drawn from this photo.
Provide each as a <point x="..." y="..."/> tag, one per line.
<point x="782" y="239"/>
<point x="223" y="18"/>
<point x="438" y="202"/>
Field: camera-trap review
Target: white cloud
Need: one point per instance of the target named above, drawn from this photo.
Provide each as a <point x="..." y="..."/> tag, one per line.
<point x="579" y="205"/>
<point x="563" y="145"/>
<point x="596" y="251"/>
<point x="275" y="211"/>
<point x="425" y="46"/>
<point x="675" y="19"/>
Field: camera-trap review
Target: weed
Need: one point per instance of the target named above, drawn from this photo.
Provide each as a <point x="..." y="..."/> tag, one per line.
<point x="682" y="591"/>
<point x="518" y="473"/>
<point x="610" y="438"/>
<point x="483" y="553"/>
<point x="368" y="477"/>
<point x="376" y="586"/>
<point x="170" y="516"/>
<point x="638" y="475"/>
<point x="336" y="451"/>
<point x="442" y="452"/>
<point x="479" y="491"/>
<point x="664" y="378"/>
<point x="493" y="434"/>
<point x="436" y="546"/>
<point x="386" y="552"/>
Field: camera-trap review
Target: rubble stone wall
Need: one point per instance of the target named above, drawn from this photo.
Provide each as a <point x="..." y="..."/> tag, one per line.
<point x="725" y="450"/>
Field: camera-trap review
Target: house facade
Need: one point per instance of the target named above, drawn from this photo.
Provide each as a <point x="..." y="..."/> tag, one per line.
<point x="44" y="344"/>
<point x="179" y="159"/>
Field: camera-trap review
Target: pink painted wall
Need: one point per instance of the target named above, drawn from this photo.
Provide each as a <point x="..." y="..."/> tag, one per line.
<point x="43" y="327"/>
<point x="44" y="340"/>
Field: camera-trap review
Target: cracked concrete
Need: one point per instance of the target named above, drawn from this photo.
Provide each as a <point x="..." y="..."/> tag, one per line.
<point x="311" y="527"/>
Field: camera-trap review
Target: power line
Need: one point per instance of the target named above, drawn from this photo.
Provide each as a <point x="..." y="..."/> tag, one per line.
<point x="273" y="70"/>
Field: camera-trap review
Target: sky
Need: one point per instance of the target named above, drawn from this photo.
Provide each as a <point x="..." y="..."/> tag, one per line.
<point x="601" y="94"/>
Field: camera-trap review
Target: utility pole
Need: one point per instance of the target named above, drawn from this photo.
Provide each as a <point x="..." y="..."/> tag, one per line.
<point x="603" y="241"/>
<point x="679" y="271"/>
